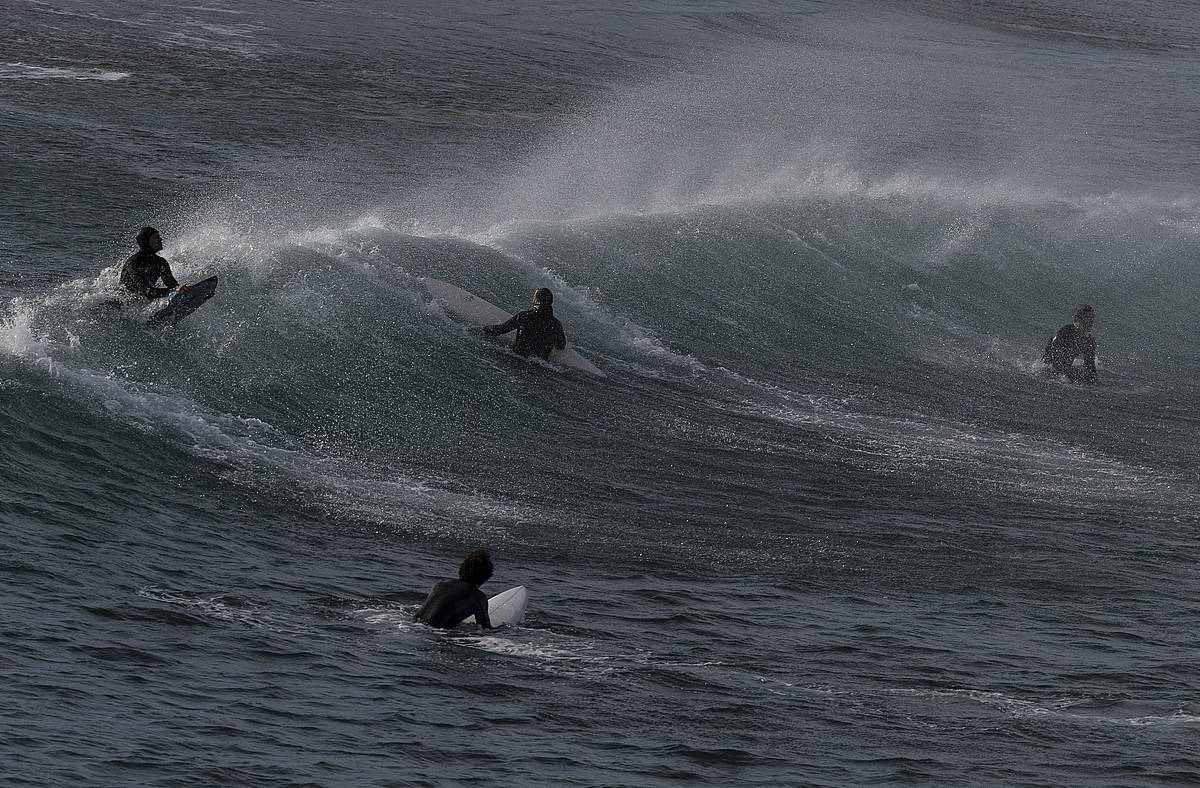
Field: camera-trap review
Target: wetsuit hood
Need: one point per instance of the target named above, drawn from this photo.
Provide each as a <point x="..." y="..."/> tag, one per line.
<point x="143" y="238"/>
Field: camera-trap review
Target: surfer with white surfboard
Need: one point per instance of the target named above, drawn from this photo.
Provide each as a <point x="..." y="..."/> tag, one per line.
<point x="453" y="601"/>
<point x="536" y="339"/>
<point x="538" y="331"/>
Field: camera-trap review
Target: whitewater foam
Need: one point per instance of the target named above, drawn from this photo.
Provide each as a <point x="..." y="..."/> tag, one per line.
<point x="27" y="71"/>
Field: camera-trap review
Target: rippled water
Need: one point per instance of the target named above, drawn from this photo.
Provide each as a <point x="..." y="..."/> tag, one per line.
<point x="824" y="521"/>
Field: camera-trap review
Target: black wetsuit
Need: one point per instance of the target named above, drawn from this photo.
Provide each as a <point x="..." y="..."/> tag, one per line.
<point x="450" y="602"/>
<point x="538" y="331"/>
<point x="140" y="272"/>
<point x="1064" y="347"/>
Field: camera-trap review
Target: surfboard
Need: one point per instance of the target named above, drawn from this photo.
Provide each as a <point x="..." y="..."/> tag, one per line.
<point x="480" y="312"/>
<point x="507" y="607"/>
<point x="180" y="305"/>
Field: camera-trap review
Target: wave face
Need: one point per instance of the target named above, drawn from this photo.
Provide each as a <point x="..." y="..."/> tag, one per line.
<point x="824" y="487"/>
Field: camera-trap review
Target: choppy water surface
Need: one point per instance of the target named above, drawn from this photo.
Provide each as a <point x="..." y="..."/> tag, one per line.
<point x="825" y="522"/>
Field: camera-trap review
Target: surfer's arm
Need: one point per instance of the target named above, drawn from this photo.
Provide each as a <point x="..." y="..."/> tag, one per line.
<point x="1089" y="361"/>
<point x="503" y="328"/>
<point x="150" y="291"/>
<point x="481" y="613"/>
<point x="169" y="279"/>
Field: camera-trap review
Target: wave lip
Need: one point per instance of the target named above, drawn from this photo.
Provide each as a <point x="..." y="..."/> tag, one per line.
<point x="27" y="71"/>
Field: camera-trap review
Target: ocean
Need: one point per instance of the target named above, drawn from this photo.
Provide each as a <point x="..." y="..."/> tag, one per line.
<point x="826" y="521"/>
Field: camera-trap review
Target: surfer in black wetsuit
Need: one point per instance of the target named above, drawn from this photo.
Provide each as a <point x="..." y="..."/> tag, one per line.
<point x="451" y="601"/>
<point x="538" y="330"/>
<point x="1072" y="341"/>
<point x="140" y="272"/>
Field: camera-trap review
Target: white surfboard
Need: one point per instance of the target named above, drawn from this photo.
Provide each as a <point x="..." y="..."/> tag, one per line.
<point x="507" y="607"/>
<point x="480" y="312"/>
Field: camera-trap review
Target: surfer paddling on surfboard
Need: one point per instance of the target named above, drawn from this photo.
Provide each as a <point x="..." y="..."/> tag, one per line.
<point x="480" y="313"/>
<point x="452" y="601"/>
<point x="140" y="272"/>
<point x="538" y="330"/>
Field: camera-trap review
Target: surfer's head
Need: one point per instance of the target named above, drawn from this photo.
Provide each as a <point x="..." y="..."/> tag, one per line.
<point x="149" y="240"/>
<point x="1085" y="317"/>
<point x="543" y="296"/>
<point x="477" y="568"/>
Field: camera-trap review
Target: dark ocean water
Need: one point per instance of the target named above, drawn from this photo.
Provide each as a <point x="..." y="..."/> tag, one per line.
<point x="824" y="523"/>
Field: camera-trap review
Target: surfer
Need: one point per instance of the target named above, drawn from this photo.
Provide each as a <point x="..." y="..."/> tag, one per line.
<point x="538" y="330"/>
<point x="451" y="601"/>
<point x="140" y="272"/>
<point x="1072" y="341"/>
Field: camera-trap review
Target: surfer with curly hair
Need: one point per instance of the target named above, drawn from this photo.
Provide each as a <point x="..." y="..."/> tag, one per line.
<point x="452" y="601"/>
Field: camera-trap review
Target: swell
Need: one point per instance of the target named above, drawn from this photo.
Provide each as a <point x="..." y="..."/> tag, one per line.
<point x="786" y="349"/>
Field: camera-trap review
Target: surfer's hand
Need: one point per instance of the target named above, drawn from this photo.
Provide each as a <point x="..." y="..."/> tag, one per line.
<point x="183" y="288"/>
